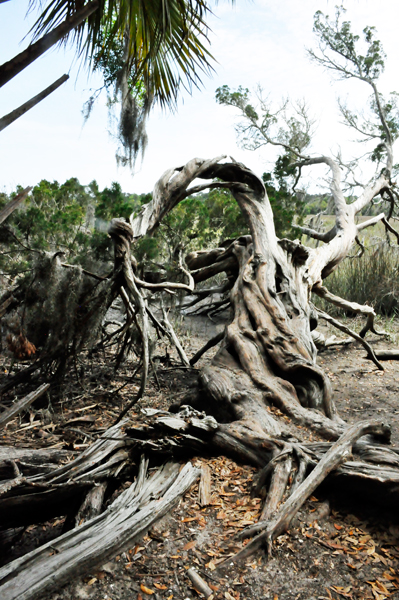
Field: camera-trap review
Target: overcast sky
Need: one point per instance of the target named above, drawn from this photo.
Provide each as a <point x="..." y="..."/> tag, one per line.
<point x="262" y="41"/>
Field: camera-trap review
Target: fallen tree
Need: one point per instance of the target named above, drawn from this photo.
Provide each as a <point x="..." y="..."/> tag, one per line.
<point x="262" y="399"/>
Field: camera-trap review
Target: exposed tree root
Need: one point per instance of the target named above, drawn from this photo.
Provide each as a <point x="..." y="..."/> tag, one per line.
<point x="339" y="452"/>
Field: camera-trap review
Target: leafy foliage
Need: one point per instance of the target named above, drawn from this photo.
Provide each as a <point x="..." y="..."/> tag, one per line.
<point x="288" y="126"/>
<point x="69" y="218"/>
<point x="347" y="61"/>
<point x="155" y="47"/>
<point x="351" y="56"/>
<point x="54" y="217"/>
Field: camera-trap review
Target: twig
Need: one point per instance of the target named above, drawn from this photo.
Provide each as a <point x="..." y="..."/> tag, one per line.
<point x="200" y="585"/>
<point x="174" y="339"/>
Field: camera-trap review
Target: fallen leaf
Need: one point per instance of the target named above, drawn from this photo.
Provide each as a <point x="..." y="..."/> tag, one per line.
<point x="93" y="580"/>
<point x="189" y="545"/>
<point x="159" y="586"/>
<point x="339" y="527"/>
<point x="382" y="587"/>
<point x="146" y="590"/>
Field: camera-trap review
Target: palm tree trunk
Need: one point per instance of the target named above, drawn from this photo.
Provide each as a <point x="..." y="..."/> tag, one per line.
<point x="14" y="66"/>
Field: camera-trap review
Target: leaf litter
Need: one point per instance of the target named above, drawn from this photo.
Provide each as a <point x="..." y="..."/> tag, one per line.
<point x="341" y="556"/>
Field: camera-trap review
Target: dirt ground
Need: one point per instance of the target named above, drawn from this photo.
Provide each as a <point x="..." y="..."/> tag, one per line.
<point x="333" y="551"/>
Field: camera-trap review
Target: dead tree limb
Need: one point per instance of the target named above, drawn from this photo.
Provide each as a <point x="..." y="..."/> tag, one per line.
<point x="21" y="110"/>
<point x="353" y="307"/>
<point x="353" y="334"/>
<point x="12" y="205"/>
<point x="22" y="404"/>
<point x="97" y="540"/>
<point x="210" y="344"/>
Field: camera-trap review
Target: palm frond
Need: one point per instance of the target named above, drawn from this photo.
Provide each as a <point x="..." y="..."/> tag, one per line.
<point x="167" y="39"/>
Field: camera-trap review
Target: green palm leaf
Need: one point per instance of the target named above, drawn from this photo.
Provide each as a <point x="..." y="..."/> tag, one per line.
<point x="165" y="39"/>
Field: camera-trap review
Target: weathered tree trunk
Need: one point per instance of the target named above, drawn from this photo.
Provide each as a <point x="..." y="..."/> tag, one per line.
<point x="267" y="358"/>
<point x="264" y="384"/>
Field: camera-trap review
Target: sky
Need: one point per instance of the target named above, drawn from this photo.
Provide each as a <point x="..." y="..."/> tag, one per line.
<point x="254" y="42"/>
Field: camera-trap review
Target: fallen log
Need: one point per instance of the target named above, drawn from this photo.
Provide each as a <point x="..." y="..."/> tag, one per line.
<point x="97" y="540"/>
<point x="56" y="492"/>
<point x="32" y="461"/>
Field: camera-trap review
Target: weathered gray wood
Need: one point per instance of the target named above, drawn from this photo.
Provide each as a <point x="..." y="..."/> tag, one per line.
<point x="10" y="207"/>
<point x="339" y="452"/>
<point x="387" y="354"/>
<point x="55" y="492"/>
<point x="92" y="504"/>
<point x="200" y="585"/>
<point x="205" y="486"/>
<point x="7" y="415"/>
<point x="32" y="461"/>
<point x="90" y="545"/>
<point x="277" y="487"/>
<point x="170" y="332"/>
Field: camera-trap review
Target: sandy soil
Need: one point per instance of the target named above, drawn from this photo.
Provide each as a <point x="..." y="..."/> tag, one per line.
<point x="334" y="551"/>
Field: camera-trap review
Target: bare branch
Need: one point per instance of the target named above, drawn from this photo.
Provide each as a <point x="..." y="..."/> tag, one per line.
<point x="353" y="334"/>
